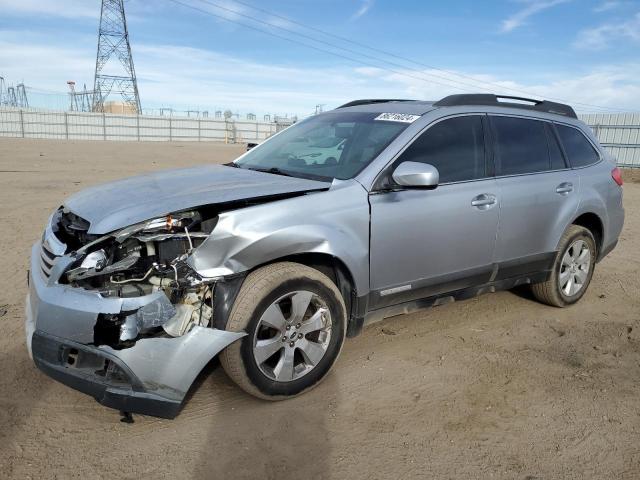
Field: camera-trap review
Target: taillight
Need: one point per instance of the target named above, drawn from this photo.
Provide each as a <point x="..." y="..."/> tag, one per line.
<point x="616" y="174"/>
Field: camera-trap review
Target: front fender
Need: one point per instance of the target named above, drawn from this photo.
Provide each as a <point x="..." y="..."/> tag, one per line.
<point x="334" y="222"/>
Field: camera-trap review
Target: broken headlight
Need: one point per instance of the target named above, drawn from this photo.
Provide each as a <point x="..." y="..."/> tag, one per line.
<point x="174" y="222"/>
<point x="148" y="259"/>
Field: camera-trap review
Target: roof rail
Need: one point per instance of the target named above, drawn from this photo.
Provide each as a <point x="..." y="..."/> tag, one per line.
<point x="355" y="103"/>
<point x="495" y="100"/>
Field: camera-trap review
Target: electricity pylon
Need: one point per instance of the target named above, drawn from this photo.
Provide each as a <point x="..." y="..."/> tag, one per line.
<point x="3" y="100"/>
<point x="21" y="93"/>
<point x="115" y="74"/>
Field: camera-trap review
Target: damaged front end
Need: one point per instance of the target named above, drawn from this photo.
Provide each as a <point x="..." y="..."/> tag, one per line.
<point x="139" y="261"/>
<point x="123" y="317"/>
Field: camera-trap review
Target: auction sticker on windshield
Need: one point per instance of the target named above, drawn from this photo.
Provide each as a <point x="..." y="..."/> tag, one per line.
<point x="397" y="117"/>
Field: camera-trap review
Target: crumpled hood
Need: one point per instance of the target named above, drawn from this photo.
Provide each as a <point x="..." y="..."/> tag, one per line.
<point x="118" y="204"/>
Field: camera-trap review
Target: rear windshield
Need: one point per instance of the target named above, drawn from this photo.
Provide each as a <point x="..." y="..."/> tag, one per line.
<point x="332" y="145"/>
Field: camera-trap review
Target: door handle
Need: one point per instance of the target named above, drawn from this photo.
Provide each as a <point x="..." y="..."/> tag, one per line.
<point x="483" y="200"/>
<point x="564" y="188"/>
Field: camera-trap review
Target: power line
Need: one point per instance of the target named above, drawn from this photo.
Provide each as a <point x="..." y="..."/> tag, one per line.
<point x="295" y="22"/>
<point x="222" y="7"/>
<point x="44" y="91"/>
<point x="400" y="57"/>
<point x="192" y="7"/>
<point x="377" y="50"/>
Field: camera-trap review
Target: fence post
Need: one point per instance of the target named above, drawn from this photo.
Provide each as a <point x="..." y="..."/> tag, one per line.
<point x="66" y="126"/>
<point x="256" y="132"/>
<point x="199" y="130"/>
<point x="104" y="126"/>
<point x="170" y="129"/>
<point x="138" y="126"/>
<point x="22" y="123"/>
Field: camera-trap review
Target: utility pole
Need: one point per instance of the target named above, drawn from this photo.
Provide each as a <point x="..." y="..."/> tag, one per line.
<point x="11" y="95"/>
<point x="21" y="93"/>
<point x="86" y="99"/>
<point x="115" y="73"/>
<point x="79" y="101"/>
<point x="73" y="99"/>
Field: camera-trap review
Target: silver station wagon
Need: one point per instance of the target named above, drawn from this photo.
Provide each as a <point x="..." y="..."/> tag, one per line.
<point x="377" y="208"/>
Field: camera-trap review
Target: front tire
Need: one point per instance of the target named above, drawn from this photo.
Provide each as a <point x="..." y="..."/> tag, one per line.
<point x="572" y="270"/>
<point x="295" y="319"/>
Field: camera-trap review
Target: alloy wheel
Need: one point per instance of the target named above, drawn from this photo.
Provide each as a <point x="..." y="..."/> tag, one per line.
<point x="292" y="336"/>
<point x="574" y="268"/>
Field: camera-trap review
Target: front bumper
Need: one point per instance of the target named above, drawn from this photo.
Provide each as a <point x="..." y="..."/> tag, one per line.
<point x="152" y="377"/>
<point x="99" y="374"/>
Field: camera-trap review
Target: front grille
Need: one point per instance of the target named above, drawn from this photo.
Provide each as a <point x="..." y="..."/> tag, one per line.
<point x="66" y="232"/>
<point x="47" y="259"/>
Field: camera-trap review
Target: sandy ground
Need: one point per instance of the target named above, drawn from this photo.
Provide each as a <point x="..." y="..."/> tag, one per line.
<point x="495" y="387"/>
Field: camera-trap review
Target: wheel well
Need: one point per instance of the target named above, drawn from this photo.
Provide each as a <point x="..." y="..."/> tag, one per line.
<point x="227" y="290"/>
<point x="591" y="222"/>
<point x="331" y="266"/>
<point x="339" y="273"/>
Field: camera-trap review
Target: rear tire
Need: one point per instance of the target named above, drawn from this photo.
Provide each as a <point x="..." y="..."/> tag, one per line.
<point x="295" y="319"/>
<point x="572" y="269"/>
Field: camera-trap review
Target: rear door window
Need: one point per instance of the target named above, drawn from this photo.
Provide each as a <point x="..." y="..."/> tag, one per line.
<point x="579" y="150"/>
<point x="520" y="145"/>
<point x="454" y="146"/>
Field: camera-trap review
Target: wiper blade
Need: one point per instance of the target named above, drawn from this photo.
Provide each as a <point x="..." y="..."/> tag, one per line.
<point x="273" y="170"/>
<point x="295" y="174"/>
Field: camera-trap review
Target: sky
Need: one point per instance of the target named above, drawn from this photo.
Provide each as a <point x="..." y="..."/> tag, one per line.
<point x="287" y="56"/>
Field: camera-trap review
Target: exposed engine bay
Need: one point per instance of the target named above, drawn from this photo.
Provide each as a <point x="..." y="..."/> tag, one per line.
<point x="136" y="261"/>
<point x="132" y="282"/>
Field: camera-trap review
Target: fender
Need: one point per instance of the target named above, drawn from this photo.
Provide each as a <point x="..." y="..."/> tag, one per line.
<point x="596" y="184"/>
<point x="334" y="222"/>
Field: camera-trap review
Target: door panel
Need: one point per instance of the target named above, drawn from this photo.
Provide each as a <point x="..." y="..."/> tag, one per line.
<point x="425" y="242"/>
<point x="537" y="200"/>
<point x="534" y="211"/>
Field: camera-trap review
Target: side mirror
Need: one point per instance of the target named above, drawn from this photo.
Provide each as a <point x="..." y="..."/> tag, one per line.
<point x="416" y="175"/>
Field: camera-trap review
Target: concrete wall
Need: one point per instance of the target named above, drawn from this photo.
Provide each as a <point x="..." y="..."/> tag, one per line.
<point x="98" y="126"/>
<point x="619" y="133"/>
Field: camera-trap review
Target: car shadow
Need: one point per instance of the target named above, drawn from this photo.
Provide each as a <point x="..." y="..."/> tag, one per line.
<point x="21" y="389"/>
<point x="524" y="292"/>
<point x="254" y="438"/>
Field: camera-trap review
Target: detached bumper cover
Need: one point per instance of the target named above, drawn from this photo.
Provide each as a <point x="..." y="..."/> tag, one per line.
<point x="152" y="377"/>
<point x="100" y="375"/>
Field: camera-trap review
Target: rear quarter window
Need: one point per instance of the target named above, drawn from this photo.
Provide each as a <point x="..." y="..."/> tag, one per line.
<point x="579" y="150"/>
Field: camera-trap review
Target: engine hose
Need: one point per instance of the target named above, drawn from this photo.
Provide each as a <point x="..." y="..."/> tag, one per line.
<point x="129" y="280"/>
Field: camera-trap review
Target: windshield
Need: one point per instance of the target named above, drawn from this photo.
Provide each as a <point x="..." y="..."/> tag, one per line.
<point x="331" y="145"/>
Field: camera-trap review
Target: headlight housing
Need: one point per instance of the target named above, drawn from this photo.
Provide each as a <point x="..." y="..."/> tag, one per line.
<point x="96" y="260"/>
<point x="169" y="223"/>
